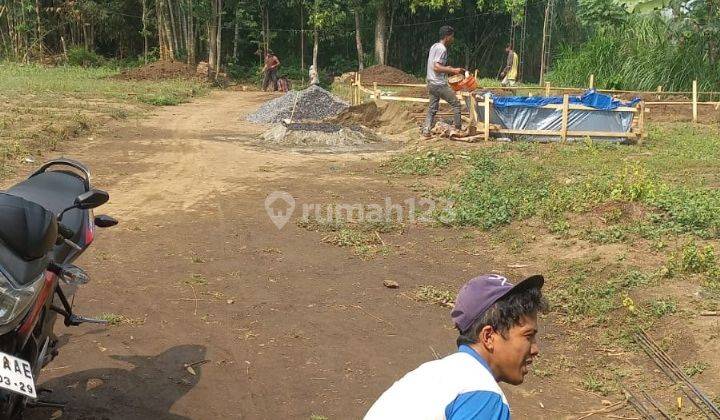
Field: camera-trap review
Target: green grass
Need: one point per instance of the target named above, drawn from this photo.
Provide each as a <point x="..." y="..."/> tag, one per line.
<point x="692" y="369"/>
<point x="672" y="178"/>
<point x="420" y="163"/>
<point x="92" y="83"/>
<point x="595" y="383"/>
<point x="44" y="106"/>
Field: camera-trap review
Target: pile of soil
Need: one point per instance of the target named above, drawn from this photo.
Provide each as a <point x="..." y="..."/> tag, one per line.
<point x="386" y="74"/>
<point x="313" y="103"/>
<point x="383" y="117"/>
<point x="324" y="137"/>
<point x="158" y="70"/>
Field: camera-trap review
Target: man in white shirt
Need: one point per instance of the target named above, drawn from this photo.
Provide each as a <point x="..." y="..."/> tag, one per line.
<point x="437" y="85"/>
<point x="497" y="322"/>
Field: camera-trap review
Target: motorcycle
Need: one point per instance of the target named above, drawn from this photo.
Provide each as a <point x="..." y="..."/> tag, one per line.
<point x="46" y="223"/>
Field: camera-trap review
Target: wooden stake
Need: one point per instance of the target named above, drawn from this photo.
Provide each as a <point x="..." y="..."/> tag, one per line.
<point x="563" y="132"/>
<point x="547" y="89"/>
<point x="476" y="74"/>
<point x="377" y="92"/>
<point x="592" y="81"/>
<point x="359" y="85"/>
<point x="641" y="122"/>
<point x="473" y="115"/>
<point x="659" y="88"/>
<point x="695" y="101"/>
<point x="486" y="127"/>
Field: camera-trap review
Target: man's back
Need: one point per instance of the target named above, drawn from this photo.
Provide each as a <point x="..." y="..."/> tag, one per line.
<point x="456" y="386"/>
<point x="438" y="54"/>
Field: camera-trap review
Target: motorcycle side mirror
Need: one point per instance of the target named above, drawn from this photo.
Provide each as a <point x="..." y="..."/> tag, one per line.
<point x="73" y="275"/>
<point x="87" y="200"/>
<point x="91" y="199"/>
<point x="105" y="221"/>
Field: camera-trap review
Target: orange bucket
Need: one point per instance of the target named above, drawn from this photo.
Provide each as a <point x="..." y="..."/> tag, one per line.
<point x="458" y="83"/>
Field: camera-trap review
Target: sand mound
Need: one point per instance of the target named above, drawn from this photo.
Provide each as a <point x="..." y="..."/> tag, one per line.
<point x="324" y="137"/>
<point x="384" y="117"/>
<point x="386" y="74"/>
<point x="313" y="103"/>
<point x="158" y="70"/>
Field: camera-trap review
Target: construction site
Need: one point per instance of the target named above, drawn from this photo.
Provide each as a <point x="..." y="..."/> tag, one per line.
<point x="337" y="210"/>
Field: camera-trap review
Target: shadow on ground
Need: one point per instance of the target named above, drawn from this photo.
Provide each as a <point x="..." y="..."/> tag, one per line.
<point x="147" y="389"/>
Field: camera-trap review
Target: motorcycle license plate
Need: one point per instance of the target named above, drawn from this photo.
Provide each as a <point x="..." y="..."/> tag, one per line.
<point x="16" y="375"/>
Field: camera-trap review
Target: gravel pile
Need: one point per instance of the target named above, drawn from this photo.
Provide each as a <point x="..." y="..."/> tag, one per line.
<point x="313" y="103"/>
<point x="324" y="138"/>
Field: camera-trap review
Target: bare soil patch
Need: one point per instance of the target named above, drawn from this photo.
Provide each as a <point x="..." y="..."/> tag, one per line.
<point x="386" y="74"/>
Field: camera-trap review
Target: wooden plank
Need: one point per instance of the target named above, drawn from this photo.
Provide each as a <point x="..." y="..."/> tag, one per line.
<point x="695" y="101"/>
<point x="567" y="89"/>
<point x="402" y="85"/>
<point x="486" y="122"/>
<point x="564" y="126"/>
<point x="681" y="103"/>
<point x="553" y="133"/>
<point x="549" y="106"/>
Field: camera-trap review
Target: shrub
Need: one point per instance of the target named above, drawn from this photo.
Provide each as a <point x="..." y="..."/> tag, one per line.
<point x="80" y="56"/>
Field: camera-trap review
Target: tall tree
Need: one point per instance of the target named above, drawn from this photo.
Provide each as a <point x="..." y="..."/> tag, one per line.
<point x="358" y="39"/>
<point x="381" y="9"/>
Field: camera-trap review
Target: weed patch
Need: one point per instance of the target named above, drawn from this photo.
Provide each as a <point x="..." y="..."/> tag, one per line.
<point x="435" y="295"/>
<point x="420" y="163"/>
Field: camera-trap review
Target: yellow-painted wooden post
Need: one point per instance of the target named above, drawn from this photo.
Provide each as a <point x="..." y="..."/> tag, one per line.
<point x="695" y="101"/>
<point x="547" y="89"/>
<point x="565" y="107"/>
<point x="486" y="127"/>
<point x="592" y="81"/>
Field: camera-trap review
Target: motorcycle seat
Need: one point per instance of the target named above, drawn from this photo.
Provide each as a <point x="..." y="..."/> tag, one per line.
<point x="26" y="228"/>
<point x="55" y="191"/>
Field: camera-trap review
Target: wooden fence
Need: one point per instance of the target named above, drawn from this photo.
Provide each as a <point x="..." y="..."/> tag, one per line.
<point x="482" y="130"/>
<point x="693" y="104"/>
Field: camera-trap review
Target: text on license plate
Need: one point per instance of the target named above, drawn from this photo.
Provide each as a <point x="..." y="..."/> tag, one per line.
<point x="16" y="375"/>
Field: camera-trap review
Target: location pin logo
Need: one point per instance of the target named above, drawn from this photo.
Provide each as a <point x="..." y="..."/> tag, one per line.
<point x="279" y="205"/>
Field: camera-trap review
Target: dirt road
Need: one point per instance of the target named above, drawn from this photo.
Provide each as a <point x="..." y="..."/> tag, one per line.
<point x="274" y="323"/>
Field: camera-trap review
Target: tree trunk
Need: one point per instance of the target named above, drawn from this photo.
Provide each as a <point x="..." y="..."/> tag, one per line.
<point x="182" y="26"/>
<point x="144" y="30"/>
<point x="316" y="42"/>
<point x="267" y="28"/>
<point x="380" y="32"/>
<point x="389" y="36"/>
<point x="172" y="32"/>
<point x="302" y="42"/>
<point x="191" y="51"/>
<point x="38" y="28"/>
<point x="212" y="42"/>
<point x="218" y="49"/>
<point x="159" y="24"/>
<point x="236" y="39"/>
<point x="358" y="41"/>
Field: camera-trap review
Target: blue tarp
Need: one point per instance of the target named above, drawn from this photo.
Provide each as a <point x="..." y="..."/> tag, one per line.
<point x="590" y="98"/>
<point x="526" y="113"/>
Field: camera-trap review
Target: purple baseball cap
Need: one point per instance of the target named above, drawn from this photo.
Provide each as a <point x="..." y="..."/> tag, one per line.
<point x="480" y="293"/>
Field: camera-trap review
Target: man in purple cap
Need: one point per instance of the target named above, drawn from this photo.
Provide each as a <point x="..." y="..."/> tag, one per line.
<point x="497" y="322"/>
